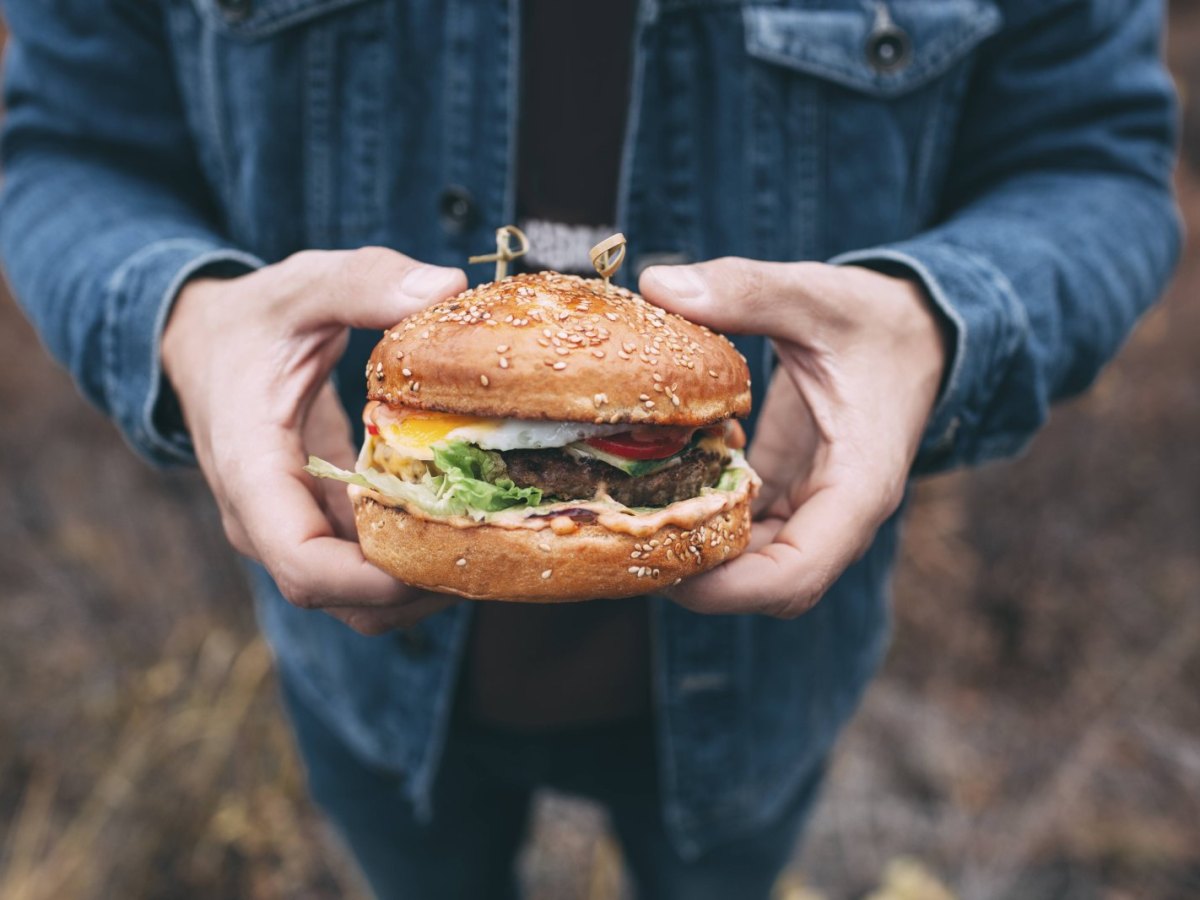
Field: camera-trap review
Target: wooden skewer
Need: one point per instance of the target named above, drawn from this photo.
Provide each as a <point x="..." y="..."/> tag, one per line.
<point x="608" y="255"/>
<point x="505" y="252"/>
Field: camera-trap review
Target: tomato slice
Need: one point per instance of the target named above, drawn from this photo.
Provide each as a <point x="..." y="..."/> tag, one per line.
<point x="646" y="443"/>
<point x="373" y="430"/>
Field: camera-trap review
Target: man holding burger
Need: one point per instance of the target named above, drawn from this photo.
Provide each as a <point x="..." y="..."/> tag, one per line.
<point x="923" y="222"/>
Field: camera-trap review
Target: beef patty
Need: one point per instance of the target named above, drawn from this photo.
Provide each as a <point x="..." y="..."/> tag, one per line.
<point x="572" y="478"/>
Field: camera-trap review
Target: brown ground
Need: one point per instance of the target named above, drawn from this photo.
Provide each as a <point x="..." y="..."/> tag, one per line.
<point x="1036" y="732"/>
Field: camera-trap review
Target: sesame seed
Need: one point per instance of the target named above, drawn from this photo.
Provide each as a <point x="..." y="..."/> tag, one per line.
<point x="713" y="373"/>
<point x="416" y="386"/>
<point x="395" y="335"/>
<point x="461" y="561"/>
<point x="599" y="354"/>
<point x="611" y="316"/>
<point x="406" y="372"/>
<point x="649" y="404"/>
<point x="546" y="573"/>
<point x="544" y="547"/>
<point x="483" y="379"/>
<point x="634" y="570"/>
<point x="560" y="365"/>
<point x="502" y="348"/>
<point x="623" y="354"/>
<point x="504" y="362"/>
<point x="628" y="347"/>
<point x="379" y="368"/>
<point x="657" y="377"/>
<point x="643" y="396"/>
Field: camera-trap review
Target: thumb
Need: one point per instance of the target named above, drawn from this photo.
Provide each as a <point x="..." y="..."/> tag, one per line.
<point x="374" y="287"/>
<point x="731" y="295"/>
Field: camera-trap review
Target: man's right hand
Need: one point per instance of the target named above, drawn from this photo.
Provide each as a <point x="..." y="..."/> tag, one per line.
<point x="250" y="359"/>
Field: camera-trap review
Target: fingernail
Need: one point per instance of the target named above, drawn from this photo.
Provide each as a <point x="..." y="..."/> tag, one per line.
<point x="429" y="282"/>
<point x="682" y="281"/>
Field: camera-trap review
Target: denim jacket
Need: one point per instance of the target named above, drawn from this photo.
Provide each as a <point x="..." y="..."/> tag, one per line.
<point x="1012" y="155"/>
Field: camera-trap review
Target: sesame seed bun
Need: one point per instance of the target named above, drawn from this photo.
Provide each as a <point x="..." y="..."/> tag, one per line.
<point x="559" y="347"/>
<point x="592" y="562"/>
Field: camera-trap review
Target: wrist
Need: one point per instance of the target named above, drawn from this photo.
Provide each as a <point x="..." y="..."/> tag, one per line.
<point x="924" y="335"/>
<point x="184" y="325"/>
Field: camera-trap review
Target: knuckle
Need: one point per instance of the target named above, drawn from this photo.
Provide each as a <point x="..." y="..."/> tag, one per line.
<point x="795" y="606"/>
<point x="746" y="277"/>
<point x="306" y="259"/>
<point x="235" y="535"/>
<point x="295" y="589"/>
<point x="368" y="624"/>
<point x="364" y="263"/>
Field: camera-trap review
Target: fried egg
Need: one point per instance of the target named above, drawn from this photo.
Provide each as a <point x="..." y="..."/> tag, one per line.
<point x="414" y="432"/>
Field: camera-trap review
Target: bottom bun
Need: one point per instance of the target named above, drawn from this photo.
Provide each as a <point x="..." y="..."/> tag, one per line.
<point x="488" y="562"/>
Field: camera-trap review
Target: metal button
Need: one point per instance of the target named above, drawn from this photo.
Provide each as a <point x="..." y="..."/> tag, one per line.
<point x="457" y="208"/>
<point x="236" y="10"/>
<point x="889" y="48"/>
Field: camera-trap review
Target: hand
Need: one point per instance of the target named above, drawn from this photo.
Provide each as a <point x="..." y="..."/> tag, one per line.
<point x="250" y="359"/>
<point x="861" y="359"/>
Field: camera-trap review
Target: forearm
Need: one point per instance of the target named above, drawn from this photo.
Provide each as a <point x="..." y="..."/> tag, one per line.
<point x="1041" y="282"/>
<point x="104" y="210"/>
<point x="95" y="257"/>
<point x="1058" y="226"/>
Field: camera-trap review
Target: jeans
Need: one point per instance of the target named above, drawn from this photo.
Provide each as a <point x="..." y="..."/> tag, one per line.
<point x="482" y="803"/>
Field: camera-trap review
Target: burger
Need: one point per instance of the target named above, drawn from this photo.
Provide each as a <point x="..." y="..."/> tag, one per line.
<point x="548" y="438"/>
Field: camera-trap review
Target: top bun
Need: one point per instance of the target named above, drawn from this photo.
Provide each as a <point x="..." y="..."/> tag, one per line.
<point x="561" y="347"/>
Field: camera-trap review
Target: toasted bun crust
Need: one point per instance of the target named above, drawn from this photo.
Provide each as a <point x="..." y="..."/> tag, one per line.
<point x="541" y="566"/>
<point x="550" y="346"/>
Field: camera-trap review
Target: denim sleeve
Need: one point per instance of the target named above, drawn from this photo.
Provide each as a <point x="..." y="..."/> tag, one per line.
<point x="104" y="211"/>
<point x="1059" y="226"/>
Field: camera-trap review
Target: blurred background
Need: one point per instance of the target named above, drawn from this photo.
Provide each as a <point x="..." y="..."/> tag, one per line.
<point x="1035" y="732"/>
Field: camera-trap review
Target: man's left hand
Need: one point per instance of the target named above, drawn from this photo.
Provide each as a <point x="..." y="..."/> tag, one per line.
<point x="861" y="357"/>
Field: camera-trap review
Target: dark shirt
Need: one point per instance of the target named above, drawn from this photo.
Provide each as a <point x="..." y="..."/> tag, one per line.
<point x="535" y="666"/>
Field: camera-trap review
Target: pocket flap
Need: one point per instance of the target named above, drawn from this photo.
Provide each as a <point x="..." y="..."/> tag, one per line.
<point x="834" y="43"/>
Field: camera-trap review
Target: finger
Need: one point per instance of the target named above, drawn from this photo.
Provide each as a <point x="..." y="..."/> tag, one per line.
<point x="372" y="287"/>
<point x="805" y="556"/>
<point x="327" y="434"/>
<point x="274" y="502"/>
<point x="734" y="295"/>
<point x="372" y="622"/>
<point x="785" y="444"/>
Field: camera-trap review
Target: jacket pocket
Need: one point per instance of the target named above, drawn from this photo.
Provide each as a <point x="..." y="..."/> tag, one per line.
<point x="856" y="105"/>
<point x="850" y="47"/>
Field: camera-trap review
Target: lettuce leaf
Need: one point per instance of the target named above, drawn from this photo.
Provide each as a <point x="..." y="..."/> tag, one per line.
<point x="423" y="494"/>
<point x="471" y="482"/>
<point x="474" y="476"/>
<point x="731" y="478"/>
